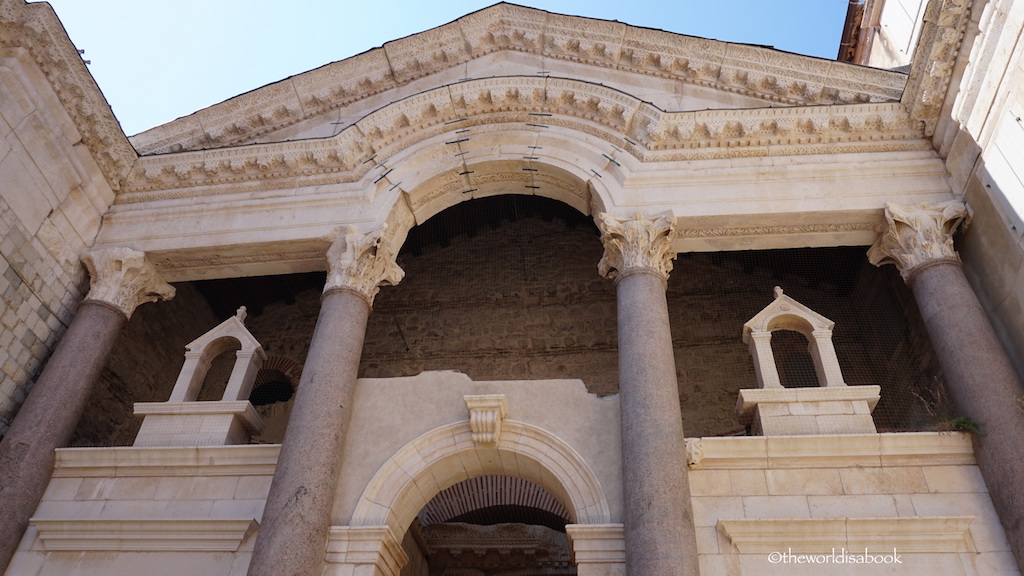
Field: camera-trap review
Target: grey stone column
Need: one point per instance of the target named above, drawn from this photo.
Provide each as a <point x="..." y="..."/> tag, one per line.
<point x="980" y="379"/>
<point x="121" y="280"/>
<point x="293" y="532"/>
<point x="659" y="531"/>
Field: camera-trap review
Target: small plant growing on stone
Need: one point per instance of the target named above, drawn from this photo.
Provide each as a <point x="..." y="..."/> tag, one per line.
<point x="960" y="424"/>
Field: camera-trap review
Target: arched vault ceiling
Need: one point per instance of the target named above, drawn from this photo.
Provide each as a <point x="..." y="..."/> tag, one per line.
<point x="452" y="118"/>
<point x="490" y="43"/>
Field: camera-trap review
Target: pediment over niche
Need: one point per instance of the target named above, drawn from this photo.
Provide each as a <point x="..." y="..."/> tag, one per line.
<point x="672" y="71"/>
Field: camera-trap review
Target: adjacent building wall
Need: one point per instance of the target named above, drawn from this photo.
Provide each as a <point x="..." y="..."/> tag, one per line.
<point x="52" y="196"/>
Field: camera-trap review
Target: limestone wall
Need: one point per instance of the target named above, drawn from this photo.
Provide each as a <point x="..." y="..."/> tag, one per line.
<point x="918" y="497"/>
<point x="155" y="511"/>
<point x="974" y="137"/>
<point x="758" y="502"/>
<point x="52" y="195"/>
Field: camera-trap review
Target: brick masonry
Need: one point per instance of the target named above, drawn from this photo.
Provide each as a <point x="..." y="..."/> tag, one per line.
<point x="524" y="301"/>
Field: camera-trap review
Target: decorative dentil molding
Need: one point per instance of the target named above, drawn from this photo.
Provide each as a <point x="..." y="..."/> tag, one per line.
<point x="919" y="234"/>
<point x="124" y="278"/>
<point x="35" y="28"/>
<point x="636" y="243"/>
<point x="486" y="413"/>
<point x="359" y="262"/>
<point x="753" y="71"/>
<point x="938" y="48"/>
<point x="639" y="128"/>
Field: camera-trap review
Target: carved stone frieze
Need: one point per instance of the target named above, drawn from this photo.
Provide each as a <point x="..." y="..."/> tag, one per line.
<point x="622" y="120"/>
<point x="774" y="230"/>
<point x="124" y="278"/>
<point x="35" y="28"/>
<point x="939" y="45"/>
<point x="636" y="243"/>
<point x="359" y="262"/>
<point x="914" y="236"/>
<point x="763" y="73"/>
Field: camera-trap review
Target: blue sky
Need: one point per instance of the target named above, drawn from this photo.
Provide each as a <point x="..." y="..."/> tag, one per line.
<point x="156" y="60"/>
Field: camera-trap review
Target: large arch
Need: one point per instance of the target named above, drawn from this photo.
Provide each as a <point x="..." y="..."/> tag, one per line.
<point x="446" y="455"/>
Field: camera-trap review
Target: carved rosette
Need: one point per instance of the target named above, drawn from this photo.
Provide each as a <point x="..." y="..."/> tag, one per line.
<point x="636" y="244"/>
<point x="358" y="262"/>
<point x="124" y="279"/>
<point x="918" y="235"/>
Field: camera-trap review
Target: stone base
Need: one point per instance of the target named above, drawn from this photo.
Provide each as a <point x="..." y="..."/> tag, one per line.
<point x="196" y="423"/>
<point x="805" y="411"/>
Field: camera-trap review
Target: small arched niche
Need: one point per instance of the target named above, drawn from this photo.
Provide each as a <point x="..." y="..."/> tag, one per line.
<point x="831" y="407"/>
<point x="785" y="313"/>
<point x="183" y="420"/>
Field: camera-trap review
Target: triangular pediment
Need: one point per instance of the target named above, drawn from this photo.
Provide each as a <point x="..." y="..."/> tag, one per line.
<point x="673" y="72"/>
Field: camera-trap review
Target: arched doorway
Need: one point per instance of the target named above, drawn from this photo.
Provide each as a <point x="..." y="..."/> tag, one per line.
<point x="491" y="526"/>
<point x="547" y="481"/>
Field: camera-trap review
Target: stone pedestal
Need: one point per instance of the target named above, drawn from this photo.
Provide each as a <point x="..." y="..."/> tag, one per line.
<point x="294" y="529"/>
<point x="805" y="411"/>
<point x="659" y="533"/>
<point x="979" y="377"/>
<point x="121" y="280"/>
<point x="197" y="423"/>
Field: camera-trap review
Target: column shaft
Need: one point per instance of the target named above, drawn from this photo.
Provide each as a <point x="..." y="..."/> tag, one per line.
<point x="48" y="418"/>
<point x="293" y="532"/>
<point x="659" y="531"/>
<point x="982" y="384"/>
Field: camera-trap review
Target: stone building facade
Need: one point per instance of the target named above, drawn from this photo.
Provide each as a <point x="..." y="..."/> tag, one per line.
<point x="523" y="294"/>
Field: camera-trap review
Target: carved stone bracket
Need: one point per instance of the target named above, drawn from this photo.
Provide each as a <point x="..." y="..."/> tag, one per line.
<point x="485" y="415"/>
<point x="918" y="235"/>
<point x="694" y="452"/>
<point x="124" y="278"/>
<point x="637" y="243"/>
<point x="358" y="262"/>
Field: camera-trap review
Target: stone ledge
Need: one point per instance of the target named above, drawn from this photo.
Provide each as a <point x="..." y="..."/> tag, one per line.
<point x="749" y="398"/>
<point x="935" y="534"/>
<point x="839" y="451"/>
<point x="366" y="545"/>
<point x="597" y="543"/>
<point x="249" y="460"/>
<point x="200" y="534"/>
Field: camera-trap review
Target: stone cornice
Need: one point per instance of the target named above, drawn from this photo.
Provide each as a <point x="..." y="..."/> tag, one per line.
<point x="945" y="22"/>
<point x="36" y="29"/>
<point x="755" y="71"/>
<point x="535" y="103"/>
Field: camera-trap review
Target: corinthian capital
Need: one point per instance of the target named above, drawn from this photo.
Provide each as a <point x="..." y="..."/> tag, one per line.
<point x="124" y="279"/>
<point x="357" y="262"/>
<point x="637" y="243"/>
<point x="918" y="235"/>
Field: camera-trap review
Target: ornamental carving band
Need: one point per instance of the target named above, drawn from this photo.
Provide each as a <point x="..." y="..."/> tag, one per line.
<point x="124" y="278"/>
<point x="917" y="235"/>
<point x="357" y="261"/>
<point x="637" y="243"/>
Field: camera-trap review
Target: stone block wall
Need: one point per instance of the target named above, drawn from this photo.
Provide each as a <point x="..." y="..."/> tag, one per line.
<point x="920" y="494"/>
<point x="156" y="511"/>
<point x="52" y="196"/>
